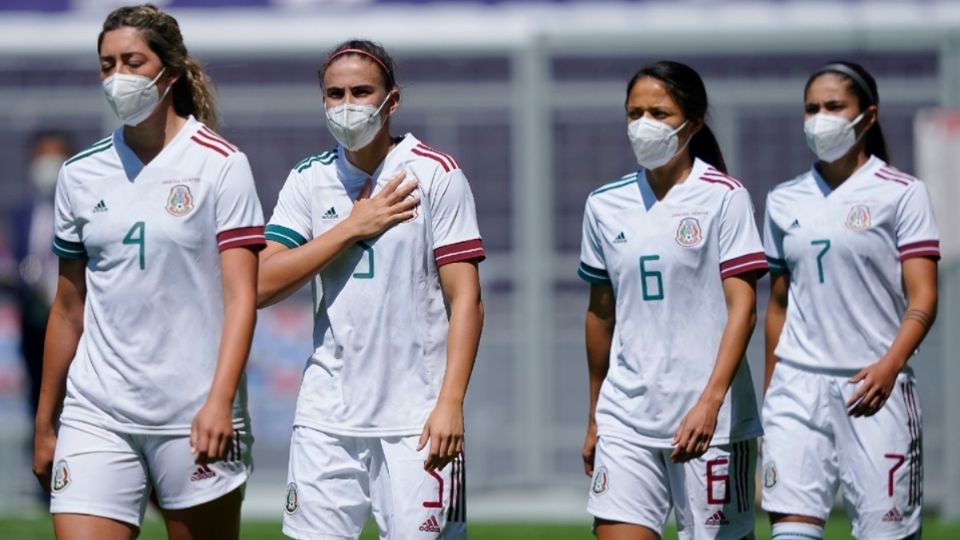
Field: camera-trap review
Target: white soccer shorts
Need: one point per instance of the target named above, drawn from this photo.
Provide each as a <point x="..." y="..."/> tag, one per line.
<point x="108" y="474"/>
<point x="335" y="482"/>
<point x="811" y="446"/>
<point x="712" y="496"/>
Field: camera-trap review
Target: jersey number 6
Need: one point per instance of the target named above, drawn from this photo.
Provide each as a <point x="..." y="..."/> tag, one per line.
<point x="646" y="275"/>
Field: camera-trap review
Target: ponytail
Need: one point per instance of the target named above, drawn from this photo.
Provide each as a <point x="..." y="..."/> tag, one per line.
<point x="193" y="94"/>
<point x="704" y="146"/>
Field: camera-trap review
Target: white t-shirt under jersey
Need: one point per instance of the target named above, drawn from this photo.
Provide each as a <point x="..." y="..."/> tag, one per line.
<point x="843" y="250"/>
<point x="152" y="236"/>
<point x="666" y="261"/>
<point x="380" y="328"/>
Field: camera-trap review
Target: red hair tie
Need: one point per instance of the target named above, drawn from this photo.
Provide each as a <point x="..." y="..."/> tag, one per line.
<point x="361" y="52"/>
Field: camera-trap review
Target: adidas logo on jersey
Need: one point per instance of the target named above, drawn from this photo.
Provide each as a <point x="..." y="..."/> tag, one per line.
<point x="100" y="207"/>
<point x="620" y="239"/>
<point x="717" y="519"/>
<point x="202" y="473"/>
<point x="330" y="214"/>
<point x="430" y="525"/>
<point x="893" y="515"/>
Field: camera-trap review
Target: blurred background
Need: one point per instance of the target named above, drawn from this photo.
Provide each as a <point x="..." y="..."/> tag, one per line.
<point x="528" y="96"/>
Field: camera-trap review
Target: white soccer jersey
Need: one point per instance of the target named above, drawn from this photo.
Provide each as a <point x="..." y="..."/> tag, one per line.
<point x="666" y="261"/>
<point x="843" y="249"/>
<point x="152" y="236"/>
<point x="380" y="327"/>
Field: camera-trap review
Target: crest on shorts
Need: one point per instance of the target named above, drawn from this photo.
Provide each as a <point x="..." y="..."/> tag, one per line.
<point x="600" y="481"/>
<point x="180" y="200"/>
<point x="293" y="498"/>
<point x="770" y="477"/>
<point x="859" y="218"/>
<point x="688" y="232"/>
<point x="61" y="476"/>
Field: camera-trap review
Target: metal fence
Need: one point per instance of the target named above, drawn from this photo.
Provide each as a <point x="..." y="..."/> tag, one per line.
<point x="530" y="102"/>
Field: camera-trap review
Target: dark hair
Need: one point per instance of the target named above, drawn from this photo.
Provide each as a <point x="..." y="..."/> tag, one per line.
<point x="686" y="87"/>
<point x="193" y="91"/>
<point x="864" y="86"/>
<point x="366" y="49"/>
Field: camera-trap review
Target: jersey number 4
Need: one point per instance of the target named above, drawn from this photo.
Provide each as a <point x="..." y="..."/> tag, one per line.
<point x="137" y="236"/>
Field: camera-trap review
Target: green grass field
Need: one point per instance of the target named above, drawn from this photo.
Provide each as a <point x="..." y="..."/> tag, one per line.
<point x="40" y="529"/>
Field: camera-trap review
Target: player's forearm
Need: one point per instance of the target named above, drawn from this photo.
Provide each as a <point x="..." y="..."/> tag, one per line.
<point x="741" y="320"/>
<point x="463" y="340"/>
<point x="64" y="328"/>
<point x="599" y="336"/>
<point x="773" y="324"/>
<point x="284" y="272"/>
<point x="919" y="316"/>
<point x="240" y="317"/>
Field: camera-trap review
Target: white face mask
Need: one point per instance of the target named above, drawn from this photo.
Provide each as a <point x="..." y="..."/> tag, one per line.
<point x="654" y="142"/>
<point x="354" y="125"/>
<point x="133" y="97"/>
<point x="43" y="173"/>
<point x="830" y="136"/>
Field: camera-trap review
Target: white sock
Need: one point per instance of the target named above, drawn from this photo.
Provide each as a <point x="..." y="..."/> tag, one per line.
<point x="795" y="530"/>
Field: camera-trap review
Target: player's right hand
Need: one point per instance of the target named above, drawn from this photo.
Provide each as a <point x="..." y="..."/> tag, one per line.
<point x="44" y="445"/>
<point x="393" y="204"/>
<point x="589" y="451"/>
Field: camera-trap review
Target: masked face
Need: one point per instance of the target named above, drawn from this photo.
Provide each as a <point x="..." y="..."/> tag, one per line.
<point x="44" y="171"/>
<point x="354" y="125"/>
<point x="654" y="142"/>
<point x="133" y="97"/>
<point x="829" y="136"/>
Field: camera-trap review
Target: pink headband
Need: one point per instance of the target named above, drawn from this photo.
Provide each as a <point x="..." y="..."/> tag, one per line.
<point x="361" y="52"/>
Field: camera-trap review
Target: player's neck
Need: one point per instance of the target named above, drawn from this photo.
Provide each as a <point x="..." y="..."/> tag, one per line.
<point x="837" y="172"/>
<point x="368" y="158"/>
<point x="150" y="137"/>
<point x="662" y="179"/>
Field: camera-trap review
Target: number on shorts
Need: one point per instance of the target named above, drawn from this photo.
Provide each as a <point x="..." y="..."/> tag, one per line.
<point x="439" y="502"/>
<point x="898" y="459"/>
<point x="722" y="479"/>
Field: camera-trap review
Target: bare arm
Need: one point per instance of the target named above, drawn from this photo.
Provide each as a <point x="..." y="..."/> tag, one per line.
<point x="773" y="326"/>
<point x="444" y="428"/>
<point x="877" y="380"/>
<point x="599" y="324"/>
<point x="212" y="428"/>
<point x="64" y="328"/>
<point x="283" y="271"/>
<point x="697" y="428"/>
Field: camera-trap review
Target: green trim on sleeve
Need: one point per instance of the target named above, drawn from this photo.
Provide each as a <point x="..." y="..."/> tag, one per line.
<point x="68" y="250"/>
<point x="282" y="235"/>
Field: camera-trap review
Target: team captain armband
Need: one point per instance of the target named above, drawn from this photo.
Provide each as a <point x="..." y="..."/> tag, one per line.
<point x="68" y="250"/>
<point x="470" y="250"/>
<point x="242" y="237"/>
<point x="752" y="262"/>
<point x="929" y="249"/>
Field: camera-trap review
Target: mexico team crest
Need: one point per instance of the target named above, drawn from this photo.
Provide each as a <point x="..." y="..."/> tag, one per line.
<point x="600" y="481"/>
<point x="180" y="200"/>
<point x="293" y="498"/>
<point x="61" y="477"/>
<point x="859" y="218"/>
<point x="688" y="232"/>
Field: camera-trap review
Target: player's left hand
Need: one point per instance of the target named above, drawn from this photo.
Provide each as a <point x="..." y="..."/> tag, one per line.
<point x="211" y="432"/>
<point x="693" y="437"/>
<point x="444" y="432"/>
<point x="876" y="383"/>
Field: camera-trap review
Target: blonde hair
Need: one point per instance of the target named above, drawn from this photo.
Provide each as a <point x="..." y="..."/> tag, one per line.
<point x="193" y="91"/>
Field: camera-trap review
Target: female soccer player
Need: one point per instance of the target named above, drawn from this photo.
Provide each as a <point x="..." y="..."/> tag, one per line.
<point x="672" y="254"/>
<point x="379" y="421"/>
<point x="157" y="228"/>
<point x="853" y="249"/>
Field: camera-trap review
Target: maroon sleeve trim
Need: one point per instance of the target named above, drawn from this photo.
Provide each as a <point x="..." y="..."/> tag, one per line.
<point x="242" y="237"/>
<point x="470" y="250"/>
<point x="752" y="262"/>
<point x="927" y="248"/>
